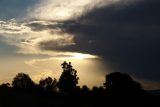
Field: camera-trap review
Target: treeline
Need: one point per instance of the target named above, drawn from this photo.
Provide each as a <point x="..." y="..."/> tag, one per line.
<point x="66" y="92"/>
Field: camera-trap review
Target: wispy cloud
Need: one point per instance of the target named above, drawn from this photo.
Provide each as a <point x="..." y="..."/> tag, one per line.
<point x="34" y="37"/>
<point x="26" y="38"/>
<point x="12" y="27"/>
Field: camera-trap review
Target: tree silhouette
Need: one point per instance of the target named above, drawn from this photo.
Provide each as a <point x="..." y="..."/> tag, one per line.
<point x="5" y="85"/>
<point x="22" y="81"/>
<point x="119" y="83"/>
<point x="119" y="88"/>
<point x="85" y="89"/>
<point x="48" y="84"/>
<point x="68" y="80"/>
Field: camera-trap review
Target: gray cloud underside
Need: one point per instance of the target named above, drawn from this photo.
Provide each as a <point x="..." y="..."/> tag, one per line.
<point x="126" y="36"/>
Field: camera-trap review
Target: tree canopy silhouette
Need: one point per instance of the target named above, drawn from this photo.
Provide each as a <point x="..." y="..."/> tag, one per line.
<point x="68" y="80"/>
<point x="22" y="81"/>
<point x="48" y="84"/>
<point x="119" y="83"/>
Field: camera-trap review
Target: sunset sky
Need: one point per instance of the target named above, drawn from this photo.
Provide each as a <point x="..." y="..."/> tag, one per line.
<point x="97" y="36"/>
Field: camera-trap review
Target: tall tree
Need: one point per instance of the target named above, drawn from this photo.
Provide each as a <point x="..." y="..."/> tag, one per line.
<point x="68" y="80"/>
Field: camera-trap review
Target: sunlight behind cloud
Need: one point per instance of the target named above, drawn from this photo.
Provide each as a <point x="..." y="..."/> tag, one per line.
<point x="74" y="56"/>
<point x="83" y="56"/>
<point x="46" y="33"/>
<point x="60" y="10"/>
<point x="42" y="42"/>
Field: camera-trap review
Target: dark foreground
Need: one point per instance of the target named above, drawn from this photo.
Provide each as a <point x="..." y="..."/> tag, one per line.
<point x="10" y="98"/>
<point x="119" y="89"/>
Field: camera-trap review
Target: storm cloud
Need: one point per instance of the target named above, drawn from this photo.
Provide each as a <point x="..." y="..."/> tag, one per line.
<point x="125" y="35"/>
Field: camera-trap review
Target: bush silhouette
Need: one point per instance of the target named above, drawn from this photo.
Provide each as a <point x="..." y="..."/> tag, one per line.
<point x="85" y="89"/>
<point x="48" y="84"/>
<point x="119" y="83"/>
<point x="68" y="80"/>
<point x="5" y="85"/>
<point x="22" y="81"/>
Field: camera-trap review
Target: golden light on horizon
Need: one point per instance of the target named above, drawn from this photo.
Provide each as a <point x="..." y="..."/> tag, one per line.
<point x="76" y="56"/>
<point x="90" y="68"/>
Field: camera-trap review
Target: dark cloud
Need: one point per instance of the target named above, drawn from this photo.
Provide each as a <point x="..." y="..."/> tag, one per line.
<point x="46" y="25"/>
<point x="126" y="36"/>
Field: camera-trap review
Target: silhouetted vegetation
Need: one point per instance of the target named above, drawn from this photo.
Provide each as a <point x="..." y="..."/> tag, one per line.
<point x="22" y="81"/>
<point x="68" y="80"/>
<point x="122" y="84"/>
<point x="119" y="88"/>
<point x="48" y="84"/>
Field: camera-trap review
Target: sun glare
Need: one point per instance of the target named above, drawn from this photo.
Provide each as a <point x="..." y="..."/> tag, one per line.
<point x="80" y="56"/>
<point x="76" y="56"/>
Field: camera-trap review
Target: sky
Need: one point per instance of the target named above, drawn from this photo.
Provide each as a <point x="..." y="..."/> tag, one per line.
<point x="97" y="36"/>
